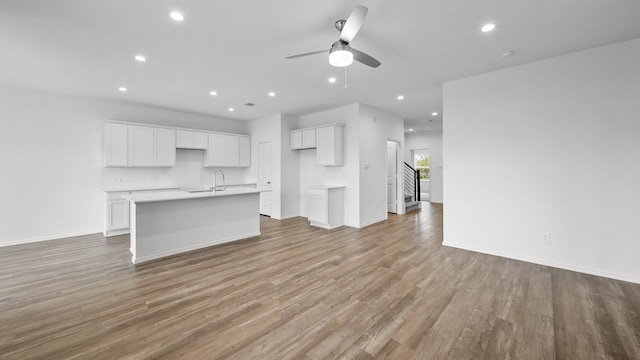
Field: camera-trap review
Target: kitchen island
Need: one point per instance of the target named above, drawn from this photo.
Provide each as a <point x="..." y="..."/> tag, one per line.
<point x="169" y="223"/>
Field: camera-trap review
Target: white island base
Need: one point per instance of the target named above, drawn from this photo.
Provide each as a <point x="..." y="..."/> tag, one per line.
<point x="172" y="223"/>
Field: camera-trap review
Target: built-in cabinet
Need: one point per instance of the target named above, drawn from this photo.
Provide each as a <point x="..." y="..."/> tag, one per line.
<point x="116" y="145"/>
<point x="191" y="140"/>
<point x="117" y="214"/>
<point x="226" y="150"/>
<point x="151" y="147"/>
<point x="303" y="139"/>
<point x="133" y="145"/>
<point x="327" y="139"/>
<point x="325" y="206"/>
<point x="330" y="145"/>
<point x="117" y="219"/>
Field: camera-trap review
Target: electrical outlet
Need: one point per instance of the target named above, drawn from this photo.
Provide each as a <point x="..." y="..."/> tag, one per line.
<point x="545" y="238"/>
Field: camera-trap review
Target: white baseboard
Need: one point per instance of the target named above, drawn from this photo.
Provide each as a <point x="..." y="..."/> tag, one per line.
<point x="50" y="237"/>
<point x="554" y="264"/>
<point x="371" y="222"/>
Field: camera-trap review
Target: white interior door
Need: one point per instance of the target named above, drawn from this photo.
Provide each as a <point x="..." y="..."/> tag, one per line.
<point x="264" y="177"/>
<point x="392" y="177"/>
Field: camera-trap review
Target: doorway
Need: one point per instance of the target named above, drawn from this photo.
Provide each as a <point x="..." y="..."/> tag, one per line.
<point x="264" y="177"/>
<point x="392" y="177"/>
<point x="422" y="162"/>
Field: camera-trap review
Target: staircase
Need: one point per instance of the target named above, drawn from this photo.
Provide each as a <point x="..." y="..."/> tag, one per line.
<point x="411" y="188"/>
<point x="409" y="204"/>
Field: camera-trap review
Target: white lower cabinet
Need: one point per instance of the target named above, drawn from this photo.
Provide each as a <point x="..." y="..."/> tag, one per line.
<point x="117" y="219"/>
<point x="325" y="206"/>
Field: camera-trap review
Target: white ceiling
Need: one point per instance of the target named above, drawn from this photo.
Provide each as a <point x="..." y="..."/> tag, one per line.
<point x="237" y="48"/>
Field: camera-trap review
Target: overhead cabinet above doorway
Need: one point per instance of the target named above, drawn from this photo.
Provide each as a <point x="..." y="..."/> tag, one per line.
<point x="327" y="139"/>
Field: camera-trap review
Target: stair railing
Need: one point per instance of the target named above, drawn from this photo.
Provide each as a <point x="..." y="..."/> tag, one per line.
<point x="412" y="181"/>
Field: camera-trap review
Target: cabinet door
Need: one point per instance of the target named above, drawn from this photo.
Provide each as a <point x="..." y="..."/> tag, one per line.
<point x="329" y="146"/>
<point x="184" y="139"/>
<point x="141" y="146"/>
<point x="309" y="139"/>
<point x="317" y="207"/>
<point x="118" y="214"/>
<point x="245" y="151"/>
<point x="115" y="145"/>
<point x="199" y="140"/>
<point x="295" y="139"/>
<point x="215" y="153"/>
<point x="165" y="147"/>
<point x="231" y="150"/>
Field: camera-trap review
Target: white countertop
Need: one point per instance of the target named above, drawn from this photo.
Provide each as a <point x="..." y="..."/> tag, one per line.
<point x="139" y="188"/>
<point x="183" y="195"/>
<point x="170" y="187"/>
<point x="326" y="187"/>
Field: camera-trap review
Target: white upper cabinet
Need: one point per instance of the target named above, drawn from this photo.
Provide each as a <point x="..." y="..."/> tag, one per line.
<point x="133" y="145"/>
<point x="191" y="140"/>
<point x="308" y="138"/>
<point x="330" y="145"/>
<point x="245" y="151"/>
<point x="295" y="139"/>
<point x="227" y="150"/>
<point x="151" y="147"/>
<point x="115" y="145"/>
<point x="231" y="150"/>
<point x="141" y="146"/>
<point x="303" y="139"/>
<point x="165" y="147"/>
<point x="215" y="153"/>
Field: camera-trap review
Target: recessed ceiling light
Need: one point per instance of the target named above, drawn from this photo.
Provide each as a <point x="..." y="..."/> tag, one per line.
<point x="488" y="27"/>
<point x="434" y="114"/>
<point x="332" y="80"/>
<point x="232" y="109"/>
<point x="176" y="16"/>
<point x="213" y="93"/>
<point x="122" y="88"/>
<point x="140" y="58"/>
<point x="410" y="129"/>
<point x="400" y="97"/>
<point x="272" y="94"/>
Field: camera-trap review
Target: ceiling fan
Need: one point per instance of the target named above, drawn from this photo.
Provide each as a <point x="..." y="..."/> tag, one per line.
<point x="340" y="53"/>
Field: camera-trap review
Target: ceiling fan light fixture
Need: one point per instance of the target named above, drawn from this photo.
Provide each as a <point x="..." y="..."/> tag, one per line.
<point x="340" y="55"/>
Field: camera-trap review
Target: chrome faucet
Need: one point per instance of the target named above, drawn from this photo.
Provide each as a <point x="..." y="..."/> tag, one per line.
<point x="215" y="181"/>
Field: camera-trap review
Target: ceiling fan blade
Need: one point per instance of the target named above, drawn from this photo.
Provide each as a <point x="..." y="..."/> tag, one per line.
<point x="307" y="54"/>
<point x="353" y="24"/>
<point x="365" y="58"/>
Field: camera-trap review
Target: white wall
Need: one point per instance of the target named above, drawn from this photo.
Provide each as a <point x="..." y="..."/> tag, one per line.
<point x="376" y="128"/>
<point x="52" y="172"/>
<point x="290" y="194"/>
<point x="550" y="146"/>
<point x="365" y="141"/>
<point x="268" y="129"/>
<point x="312" y="174"/>
<point x="431" y="140"/>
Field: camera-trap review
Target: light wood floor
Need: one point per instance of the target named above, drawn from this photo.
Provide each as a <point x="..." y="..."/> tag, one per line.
<point x="390" y="290"/>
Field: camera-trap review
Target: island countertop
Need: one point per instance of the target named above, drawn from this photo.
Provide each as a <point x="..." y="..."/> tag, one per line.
<point x="185" y="195"/>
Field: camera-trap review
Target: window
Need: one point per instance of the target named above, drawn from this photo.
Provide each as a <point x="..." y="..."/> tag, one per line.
<point x="421" y="162"/>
